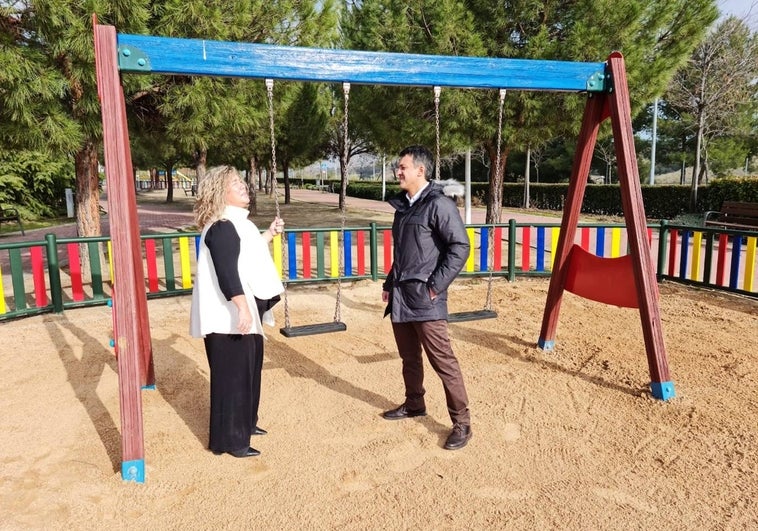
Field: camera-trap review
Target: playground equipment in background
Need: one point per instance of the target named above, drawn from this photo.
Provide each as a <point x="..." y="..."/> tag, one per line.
<point x="608" y="96"/>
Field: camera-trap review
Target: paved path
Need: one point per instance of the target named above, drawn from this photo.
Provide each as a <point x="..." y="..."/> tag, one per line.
<point x="155" y="215"/>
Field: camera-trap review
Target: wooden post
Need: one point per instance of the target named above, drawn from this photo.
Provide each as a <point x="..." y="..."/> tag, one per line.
<point x="634" y="214"/>
<point x="131" y="304"/>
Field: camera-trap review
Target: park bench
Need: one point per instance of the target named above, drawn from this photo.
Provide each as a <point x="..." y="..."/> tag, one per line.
<point x="192" y="190"/>
<point x="733" y="215"/>
<point x="11" y="214"/>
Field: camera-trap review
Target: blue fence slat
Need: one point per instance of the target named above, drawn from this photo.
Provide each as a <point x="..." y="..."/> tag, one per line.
<point x="348" y="254"/>
<point x="291" y="256"/>
<point x="484" y="249"/>
<point x="540" y="258"/>
<point x="734" y="273"/>
<point x="684" y="254"/>
<point x="600" y="241"/>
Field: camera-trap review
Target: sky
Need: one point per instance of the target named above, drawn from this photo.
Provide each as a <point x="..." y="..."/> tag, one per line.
<point x="743" y="9"/>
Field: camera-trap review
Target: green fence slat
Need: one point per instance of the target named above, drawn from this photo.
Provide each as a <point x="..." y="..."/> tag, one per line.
<point x="17" y="276"/>
<point x="95" y="270"/>
<point x="320" y="255"/>
<point x="168" y="264"/>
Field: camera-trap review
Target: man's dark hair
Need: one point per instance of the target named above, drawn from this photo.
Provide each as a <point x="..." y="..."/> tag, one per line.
<point x="421" y="156"/>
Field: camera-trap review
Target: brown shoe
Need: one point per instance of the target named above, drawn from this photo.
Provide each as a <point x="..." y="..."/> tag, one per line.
<point x="403" y="412"/>
<point x="459" y="437"/>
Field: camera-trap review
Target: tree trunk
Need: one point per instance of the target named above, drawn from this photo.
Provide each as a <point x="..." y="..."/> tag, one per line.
<point x="201" y="160"/>
<point x="87" y="191"/>
<point x="698" y="146"/>
<point x="169" y="184"/>
<point x="495" y="200"/>
<point x="696" y="168"/>
<point x="251" y="186"/>
<point x="343" y="183"/>
<point x="286" y="179"/>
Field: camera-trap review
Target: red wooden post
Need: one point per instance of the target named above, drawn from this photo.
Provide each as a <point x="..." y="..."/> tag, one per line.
<point x="131" y="304"/>
<point x="634" y="214"/>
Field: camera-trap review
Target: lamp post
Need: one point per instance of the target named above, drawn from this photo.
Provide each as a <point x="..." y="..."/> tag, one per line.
<point x="652" y="148"/>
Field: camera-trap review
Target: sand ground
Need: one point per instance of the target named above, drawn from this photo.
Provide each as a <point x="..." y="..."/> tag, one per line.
<point x="568" y="439"/>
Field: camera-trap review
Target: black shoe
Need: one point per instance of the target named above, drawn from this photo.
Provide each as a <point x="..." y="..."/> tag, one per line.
<point x="459" y="437"/>
<point x="259" y="431"/>
<point x="403" y="412"/>
<point x="244" y="452"/>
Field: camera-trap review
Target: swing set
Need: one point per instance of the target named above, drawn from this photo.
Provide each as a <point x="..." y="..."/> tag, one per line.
<point x="607" y="97"/>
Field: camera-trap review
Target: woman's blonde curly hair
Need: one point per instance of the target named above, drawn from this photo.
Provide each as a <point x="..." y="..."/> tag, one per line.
<point x="211" y="194"/>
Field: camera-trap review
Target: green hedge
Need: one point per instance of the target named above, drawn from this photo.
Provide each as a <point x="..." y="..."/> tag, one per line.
<point x="661" y="201"/>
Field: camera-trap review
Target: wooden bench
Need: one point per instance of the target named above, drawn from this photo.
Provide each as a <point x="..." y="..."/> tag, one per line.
<point x="733" y="215"/>
<point x="11" y="214"/>
<point x="192" y="190"/>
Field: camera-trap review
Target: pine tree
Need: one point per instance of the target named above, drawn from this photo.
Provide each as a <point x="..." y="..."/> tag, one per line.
<point x="656" y="36"/>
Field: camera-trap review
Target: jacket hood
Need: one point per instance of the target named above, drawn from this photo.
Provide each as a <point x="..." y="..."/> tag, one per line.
<point x="451" y="188"/>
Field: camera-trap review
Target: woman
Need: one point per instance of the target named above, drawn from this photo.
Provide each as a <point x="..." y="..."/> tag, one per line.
<point x="236" y="285"/>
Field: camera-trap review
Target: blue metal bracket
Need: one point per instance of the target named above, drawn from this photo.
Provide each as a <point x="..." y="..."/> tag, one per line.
<point x="662" y="390"/>
<point x="546" y="345"/>
<point x="133" y="470"/>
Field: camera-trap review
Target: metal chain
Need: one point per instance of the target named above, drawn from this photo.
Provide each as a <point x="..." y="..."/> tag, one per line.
<point x="343" y="209"/>
<point x="270" y="95"/>
<point x="437" y="91"/>
<point x="498" y="174"/>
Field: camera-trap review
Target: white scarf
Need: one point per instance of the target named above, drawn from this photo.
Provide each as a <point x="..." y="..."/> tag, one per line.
<point x="211" y="312"/>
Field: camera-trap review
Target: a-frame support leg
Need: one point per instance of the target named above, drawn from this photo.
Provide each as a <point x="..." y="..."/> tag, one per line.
<point x="134" y="351"/>
<point x="634" y="214"/>
<point x="616" y="104"/>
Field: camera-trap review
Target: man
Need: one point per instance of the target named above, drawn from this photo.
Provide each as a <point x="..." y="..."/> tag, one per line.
<point x="431" y="247"/>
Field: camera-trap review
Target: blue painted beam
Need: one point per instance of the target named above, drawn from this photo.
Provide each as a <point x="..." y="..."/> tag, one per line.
<point x="165" y="55"/>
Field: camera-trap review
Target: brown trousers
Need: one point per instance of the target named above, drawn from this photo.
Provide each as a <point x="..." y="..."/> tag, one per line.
<point x="433" y="336"/>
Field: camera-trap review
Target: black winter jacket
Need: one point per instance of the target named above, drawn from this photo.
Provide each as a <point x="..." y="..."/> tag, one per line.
<point x="431" y="248"/>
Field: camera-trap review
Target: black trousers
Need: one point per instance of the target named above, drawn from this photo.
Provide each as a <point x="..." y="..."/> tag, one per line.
<point x="235" y="363"/>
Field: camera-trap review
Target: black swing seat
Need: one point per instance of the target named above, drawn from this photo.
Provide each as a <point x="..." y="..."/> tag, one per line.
<point x="460" y="317"/>
<point x="312" y="329"/>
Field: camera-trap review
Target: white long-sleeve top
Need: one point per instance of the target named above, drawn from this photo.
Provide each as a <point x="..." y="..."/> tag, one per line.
<point x="211" y="311"/>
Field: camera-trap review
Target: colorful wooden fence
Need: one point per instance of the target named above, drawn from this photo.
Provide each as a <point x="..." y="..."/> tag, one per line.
<point x="56" y="274"/>
<point x="715" y="258"/>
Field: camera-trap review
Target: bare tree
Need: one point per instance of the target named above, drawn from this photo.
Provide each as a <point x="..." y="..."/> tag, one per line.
<point x="607" y="152"/>
<point x="715" y="87"/>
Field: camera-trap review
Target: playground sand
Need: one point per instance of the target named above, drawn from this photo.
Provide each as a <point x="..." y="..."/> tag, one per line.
<point x="568" y="439"/>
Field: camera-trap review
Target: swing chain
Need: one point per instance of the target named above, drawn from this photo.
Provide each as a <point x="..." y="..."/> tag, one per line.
<point x="343" y="183"/>
<point x="437" y="92"/>
<point x="498" y="173"/>
<point x="270" y="96"/>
